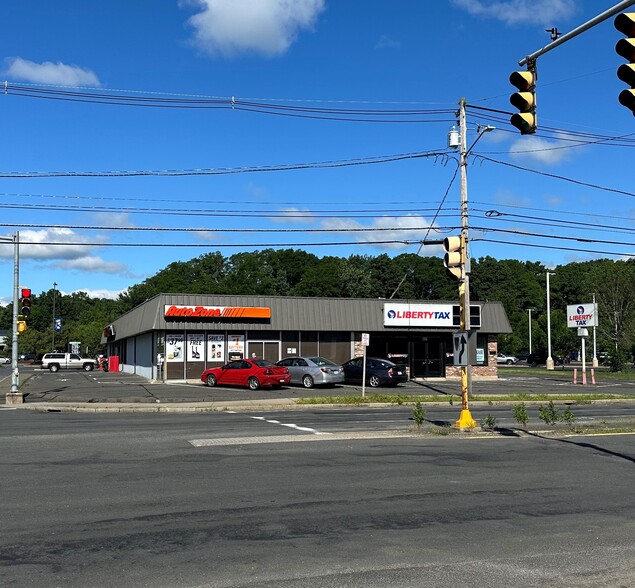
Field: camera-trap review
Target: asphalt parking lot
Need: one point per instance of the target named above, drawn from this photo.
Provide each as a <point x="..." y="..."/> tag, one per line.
<point x="107" y="387"/>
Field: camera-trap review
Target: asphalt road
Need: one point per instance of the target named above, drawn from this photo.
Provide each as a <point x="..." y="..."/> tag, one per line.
<point x="230" y="499"/>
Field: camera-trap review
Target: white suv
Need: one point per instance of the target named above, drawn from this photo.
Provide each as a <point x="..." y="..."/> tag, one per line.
<point x="63" y="361"/>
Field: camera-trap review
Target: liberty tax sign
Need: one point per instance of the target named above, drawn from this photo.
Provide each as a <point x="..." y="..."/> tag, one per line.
<point x="418" y="315"/>
<point x="582" y="315"/>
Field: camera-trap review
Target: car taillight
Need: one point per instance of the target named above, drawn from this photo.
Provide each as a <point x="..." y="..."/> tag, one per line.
<point x="325" y="370"/>
<point x="390" y="373"/>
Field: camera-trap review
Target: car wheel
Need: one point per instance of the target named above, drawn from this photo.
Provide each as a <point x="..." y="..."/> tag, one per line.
<point x="54" y="367"/>
<point x="307" y="381"/>
<point x="253" y="383"/>
<point x="210" y="380"/>
<point x="534" y="364"/>
<point x="373" y="381"/>
<point x="509" y="362"/>
<point x="88" y="367"/>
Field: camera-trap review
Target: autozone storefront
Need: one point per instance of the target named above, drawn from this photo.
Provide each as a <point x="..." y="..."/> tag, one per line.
<point x="178" y="336"/>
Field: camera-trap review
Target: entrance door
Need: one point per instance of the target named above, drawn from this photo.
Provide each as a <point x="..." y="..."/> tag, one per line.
<point x="427" y="358"/>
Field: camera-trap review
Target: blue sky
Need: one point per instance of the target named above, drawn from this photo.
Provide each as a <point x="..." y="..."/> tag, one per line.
<point x="275" y="177"/>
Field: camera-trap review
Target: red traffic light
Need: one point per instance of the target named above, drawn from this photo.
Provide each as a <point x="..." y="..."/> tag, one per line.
<point x="26" y="293"/>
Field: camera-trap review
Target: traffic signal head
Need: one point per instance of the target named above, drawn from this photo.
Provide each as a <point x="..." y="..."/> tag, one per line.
<point x="453" y="260"/>
<point x="525" y="100"/>
<point x="25" y="301"/>
<point x="625" y="23"/>
<point x="21" y="326"/>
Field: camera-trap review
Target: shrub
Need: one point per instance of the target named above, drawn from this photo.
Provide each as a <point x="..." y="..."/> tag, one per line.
<point x="521" y="415"/>
<point x="418" y="414"/>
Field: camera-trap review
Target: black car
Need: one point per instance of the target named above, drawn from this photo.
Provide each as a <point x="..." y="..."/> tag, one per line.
<point x="534" y="359"/>
<point x="379" y="372"/>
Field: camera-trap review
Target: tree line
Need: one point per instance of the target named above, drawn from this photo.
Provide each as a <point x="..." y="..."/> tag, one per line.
<point x="518" y="285"/>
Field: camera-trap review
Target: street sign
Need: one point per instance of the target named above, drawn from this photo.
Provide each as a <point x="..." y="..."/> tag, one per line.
<point x="459" y="345"/>
<point x="365" y="339"/>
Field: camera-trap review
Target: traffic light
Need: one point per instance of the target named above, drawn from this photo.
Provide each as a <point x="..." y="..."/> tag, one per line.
<point x="453" y="260"/>
<point x="526" y="120"/>
<point x="25" y="302"/>
<point x="21" y="326"/>
<point x="625" y="23"/>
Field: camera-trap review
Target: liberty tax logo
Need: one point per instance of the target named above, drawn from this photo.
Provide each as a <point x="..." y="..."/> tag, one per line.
<point x="391" y="314"/>
<point x="580" y="309"/>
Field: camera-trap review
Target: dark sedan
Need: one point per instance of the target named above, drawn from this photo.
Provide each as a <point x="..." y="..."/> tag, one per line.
<point x="379" y="372"/>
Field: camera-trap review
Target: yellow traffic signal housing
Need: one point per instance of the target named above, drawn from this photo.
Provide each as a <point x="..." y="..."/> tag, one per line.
<point x="25" y="302"/>
<point x="21" y="326"/>
<point x="625" y="23"/>
<point x="453" y="259"/>
<point x="526" y="120"/>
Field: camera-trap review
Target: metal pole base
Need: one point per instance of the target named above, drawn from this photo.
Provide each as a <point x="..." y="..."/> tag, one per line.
<point x="465" y="420"/>
<point x="14" y="398"/>
<point x="550" y="364"/>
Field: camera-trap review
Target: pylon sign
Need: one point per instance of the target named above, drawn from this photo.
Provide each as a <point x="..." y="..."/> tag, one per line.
<point x="625" y="23"/>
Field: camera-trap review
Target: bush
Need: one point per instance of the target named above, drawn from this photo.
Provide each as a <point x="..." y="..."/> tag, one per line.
<point x="489" y="422"/>
<point x="521" y="415"/>
<point x="418" y="414"/>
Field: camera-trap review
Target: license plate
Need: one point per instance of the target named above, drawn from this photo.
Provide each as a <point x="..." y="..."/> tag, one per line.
<point x="400" y="373"/>
<point x="282" y="380"/>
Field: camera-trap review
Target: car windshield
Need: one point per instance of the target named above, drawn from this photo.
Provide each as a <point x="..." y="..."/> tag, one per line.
<point x="321" y="361"/>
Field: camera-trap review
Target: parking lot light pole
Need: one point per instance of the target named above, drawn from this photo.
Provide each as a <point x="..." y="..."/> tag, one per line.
<point x="529" y="311"/>
<point x="550" y="363"/>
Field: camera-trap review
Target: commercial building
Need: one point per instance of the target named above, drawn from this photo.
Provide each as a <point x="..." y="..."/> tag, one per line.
<point x="177" y="336"/>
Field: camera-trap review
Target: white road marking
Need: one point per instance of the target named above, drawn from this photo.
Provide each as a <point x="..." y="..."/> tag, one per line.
<point x="290" y="425"/>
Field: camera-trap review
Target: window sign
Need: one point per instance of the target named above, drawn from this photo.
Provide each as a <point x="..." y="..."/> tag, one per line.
<point x="195" y="347"/>
<point x="174" y="347"/>
<point x="235" y="347"/>
<point x="216" y="348"/>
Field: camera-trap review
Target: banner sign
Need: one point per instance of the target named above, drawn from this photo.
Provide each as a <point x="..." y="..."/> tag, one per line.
<point x="582" y="315"/>
<point x="221" y="312"/>
<point x="418" y="315"/>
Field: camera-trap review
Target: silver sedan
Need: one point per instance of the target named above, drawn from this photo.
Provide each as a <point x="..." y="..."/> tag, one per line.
<point x="313" y="371"/>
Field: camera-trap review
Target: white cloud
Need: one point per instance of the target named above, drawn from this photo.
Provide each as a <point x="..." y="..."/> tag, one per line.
<point x="36" y="245"/>
<point x="94" y="264"/>
<point x="540" y="150"/>
<point x="110" y="294"/>
<point x="513" y="12"/>
<point x="385" y="42"/>
<point x="293" y="215"/>
<point x="51" y="73"/>
<point x="405" y="230"/>
<point x="113" y="219"/>
<point x="268" y="27"/>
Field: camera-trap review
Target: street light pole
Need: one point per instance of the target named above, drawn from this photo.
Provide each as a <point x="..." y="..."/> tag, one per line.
<point x="53" y="339"/>
<point x="529" y="311"/>
<point x="550" y="364"/>
<point x="594" y="363"/>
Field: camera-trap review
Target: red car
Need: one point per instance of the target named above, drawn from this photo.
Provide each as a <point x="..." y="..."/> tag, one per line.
<point x="253" y="373"/>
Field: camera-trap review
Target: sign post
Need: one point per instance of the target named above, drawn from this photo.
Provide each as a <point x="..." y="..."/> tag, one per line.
<point x="365" y="343"/>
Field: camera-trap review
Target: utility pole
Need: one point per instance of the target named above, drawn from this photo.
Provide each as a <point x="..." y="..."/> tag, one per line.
<point x="465" y="420"/>
<point x="550" y="363"/>
<point x="14" y="396"/>
<point x="53" y="339"/>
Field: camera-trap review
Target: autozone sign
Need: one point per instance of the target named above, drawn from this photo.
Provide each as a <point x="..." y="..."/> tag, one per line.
<point x="220" y="312"/>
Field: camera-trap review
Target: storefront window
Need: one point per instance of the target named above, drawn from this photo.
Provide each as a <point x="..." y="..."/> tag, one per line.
<point x="335" y="346"/>
<point x="290" y="343"/>
<point x="309" y="343"/>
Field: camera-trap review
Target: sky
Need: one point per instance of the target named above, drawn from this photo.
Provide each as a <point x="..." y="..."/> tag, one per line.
<point x="137" y="134"/>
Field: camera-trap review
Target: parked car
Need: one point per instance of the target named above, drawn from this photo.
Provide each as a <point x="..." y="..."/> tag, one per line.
<point x="540" y="358"/>
<point x="379" y="372"/>
<point x="67" y="361"/>
<point x="506" y="359"/>
<point x="252" y="373"/>
<point x="313" y="371"/>
<point x="27" y="357"/>
<point x="5" y="360"/>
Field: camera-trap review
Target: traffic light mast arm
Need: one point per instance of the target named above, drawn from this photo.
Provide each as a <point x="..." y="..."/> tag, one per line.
<point x="620" y="7"/>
